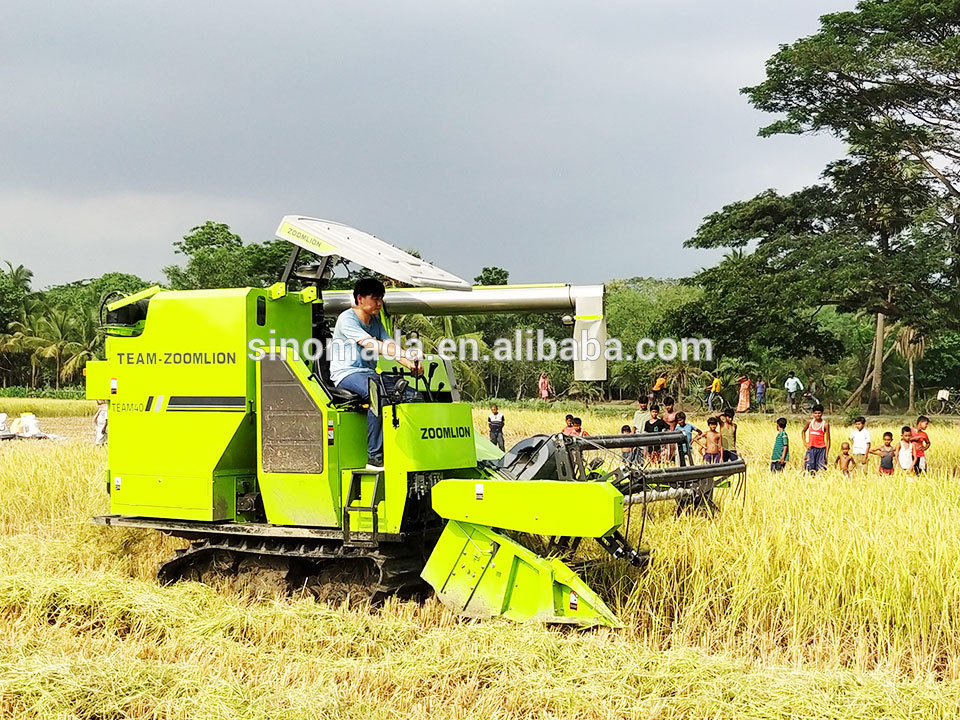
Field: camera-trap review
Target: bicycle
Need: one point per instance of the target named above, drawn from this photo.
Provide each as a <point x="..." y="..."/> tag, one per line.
<point x="808" y="402"/>
<point x="700" y="402"/>
<point x="943" y="403"/>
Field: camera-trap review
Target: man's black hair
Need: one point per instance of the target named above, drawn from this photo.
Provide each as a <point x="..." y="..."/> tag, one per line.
<point x="368" y="286"/>
<point x="728" y="413"/>
<point x="713" y="421"/>
<point x="654" y="407"/>
<point x="781" y="422"/>
<point x="568" y="417"/>
<point x="791" y="373"/>
<point x="577" y="421"/>
<point x="817" y="408"/>
<point x="906" y="429"/>
<point x="888" y="434"/>
<point x="922" y="418"/>
<point x="626" y="429"/>
<point x="669" y="401"/>
<point x="860" y="419"/>
<point x="681" y="416"/>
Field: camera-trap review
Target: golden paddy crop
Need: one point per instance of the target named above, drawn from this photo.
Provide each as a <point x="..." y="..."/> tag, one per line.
<point x="809" y="597"/>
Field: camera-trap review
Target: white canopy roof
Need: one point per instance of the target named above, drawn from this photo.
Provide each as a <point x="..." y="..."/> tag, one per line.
<point x="325" y="238"/>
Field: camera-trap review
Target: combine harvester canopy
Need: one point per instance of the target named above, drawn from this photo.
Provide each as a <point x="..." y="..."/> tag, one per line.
<point x="221" y="434"/>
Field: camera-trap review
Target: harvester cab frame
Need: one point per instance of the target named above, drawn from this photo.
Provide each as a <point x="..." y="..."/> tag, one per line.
<point x="222" y="437"/>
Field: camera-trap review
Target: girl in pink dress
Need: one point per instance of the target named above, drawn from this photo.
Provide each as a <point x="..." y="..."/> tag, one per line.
<point x="543" y="386"/>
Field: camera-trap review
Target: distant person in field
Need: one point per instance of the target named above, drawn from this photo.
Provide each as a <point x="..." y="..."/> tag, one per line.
<point x="921" y="443"/>
<point x="793" y="386"/>
<point x="655" y="424"/>
<point x="670" y="418"/>
<point x="781" y="447"/>
<point x="845" y="460"/>
<point x="761" y="395"/>
<point x="640" y="416"/>
<point x="496" y="421"/>
<point x="659" y="385"/>
<point x="743" y="401"/>
<point x="816" y="438"/>
<point x="687" y="429"/>
<point x="714" y="390"/>
<point x="887" y="453"/>
<point x="568" y="428"/>
<point x="728" y="435"/>
<point x="544" y="388"/>
<point x="578" y="428"/>
<point x="629" y="454"/>
<point x="100" y="423"/>
<point x="907" y="454"/>
<point x="712" y="446"/>
<point x="860" y="442"/>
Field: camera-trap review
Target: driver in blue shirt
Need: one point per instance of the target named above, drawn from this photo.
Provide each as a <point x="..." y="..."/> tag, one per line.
<point x="359" y="338"/>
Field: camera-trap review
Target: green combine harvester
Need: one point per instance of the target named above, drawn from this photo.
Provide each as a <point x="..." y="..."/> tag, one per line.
<point x="222" y="434"/>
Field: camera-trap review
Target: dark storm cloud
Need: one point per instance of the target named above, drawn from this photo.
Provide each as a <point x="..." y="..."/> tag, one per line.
<point x="564" y="141"/>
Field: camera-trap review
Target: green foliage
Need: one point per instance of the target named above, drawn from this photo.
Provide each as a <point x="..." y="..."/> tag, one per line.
<point x="217" y="258"/>
<point x="63" y="393"/>
<point x="882" y="78"/>
<point x="492" y="276"/>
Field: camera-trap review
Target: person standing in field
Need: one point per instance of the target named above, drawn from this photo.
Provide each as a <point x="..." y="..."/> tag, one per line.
<point x="568" y="428"/>
<point x="654" y="425"/>
<point x="629" y="454"/>
<point x="816" y="438"/>
<point x="860" y="442"/>
<point x="781" y="447"/>
<point x="715" y="387"/>
<point x="640" y="415"/>
<point x="845" y="460"/>
<point x="496" y="421"/>
<point x="100" y="423"/>
<point x="743" y="403"/>
<point x="921" y="444"/>
<point x="761" y="395"/>
<point x="687" y="429"/>
<point x="886" y="452"/>
<point x="544" y="388"/>
<point x="907" y="454"/>
<point x="728" y="436"/>
<point x="712" y="442"/>
<point x="670" y="418"/>
<point x="792" y="386"/>
<point x="578" y="428"/>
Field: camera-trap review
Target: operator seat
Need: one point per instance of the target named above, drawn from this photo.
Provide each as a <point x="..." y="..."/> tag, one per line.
<point x="339" y="397"/>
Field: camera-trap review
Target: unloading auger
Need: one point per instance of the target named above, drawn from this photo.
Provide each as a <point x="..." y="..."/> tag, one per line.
<point x="225" y="436"/>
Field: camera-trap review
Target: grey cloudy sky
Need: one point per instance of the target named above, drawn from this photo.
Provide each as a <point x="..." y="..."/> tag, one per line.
<point x="565" y="141"/>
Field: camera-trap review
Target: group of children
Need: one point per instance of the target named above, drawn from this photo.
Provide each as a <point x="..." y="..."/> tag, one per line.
<point x="719" y="442"/>
<point x="910" y="453"/>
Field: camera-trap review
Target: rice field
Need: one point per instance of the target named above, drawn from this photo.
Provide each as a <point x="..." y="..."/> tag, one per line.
<point x="807" y="597"/>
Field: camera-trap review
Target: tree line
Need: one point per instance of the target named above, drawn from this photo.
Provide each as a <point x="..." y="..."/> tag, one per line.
<point x="852" y="281"/>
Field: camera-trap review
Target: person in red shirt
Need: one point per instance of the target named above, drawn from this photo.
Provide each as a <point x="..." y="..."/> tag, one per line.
<point x="921" y="443"/>
<point x="568" y="428"/>
<point x="816" y="436"/>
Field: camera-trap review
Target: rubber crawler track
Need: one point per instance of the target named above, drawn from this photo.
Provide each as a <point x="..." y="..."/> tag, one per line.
<point x="377" y="572"/>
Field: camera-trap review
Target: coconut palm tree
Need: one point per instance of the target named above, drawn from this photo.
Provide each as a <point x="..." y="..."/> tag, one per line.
<point x="20" y="276"/>
<point x="56" y="337"/>
<point x="910" y="346"/>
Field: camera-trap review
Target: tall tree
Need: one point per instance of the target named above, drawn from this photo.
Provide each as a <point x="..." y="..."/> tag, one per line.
<point x="217" y="258"/>
<point x="884" y="76"/>
<point x="858" y="241"/>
